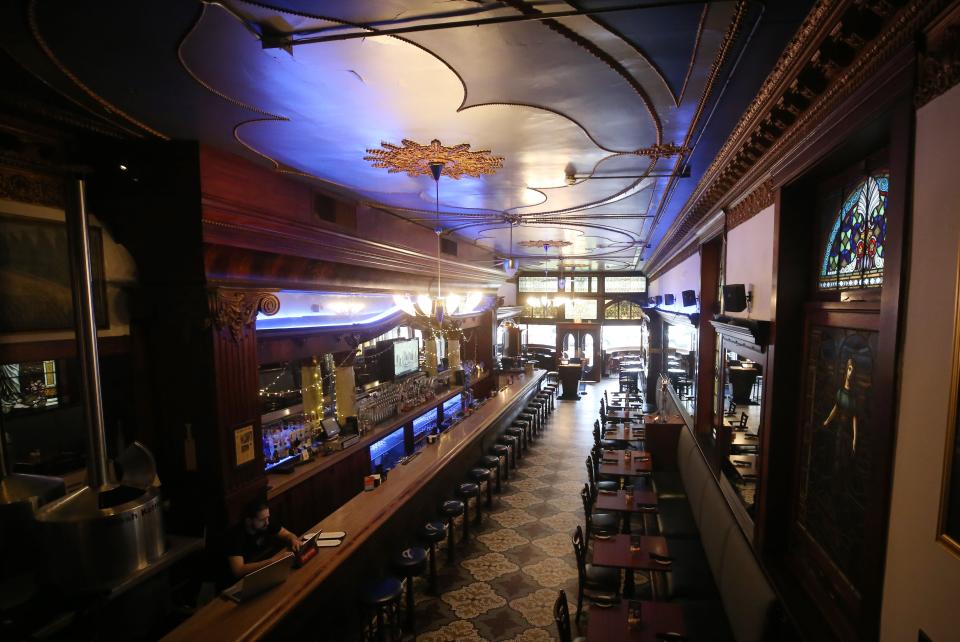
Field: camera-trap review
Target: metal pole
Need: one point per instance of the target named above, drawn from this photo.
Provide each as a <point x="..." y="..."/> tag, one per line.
<point x="81" y="278"/>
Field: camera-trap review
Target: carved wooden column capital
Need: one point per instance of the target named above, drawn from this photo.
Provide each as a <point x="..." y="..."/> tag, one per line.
<point x="236" y="309"/>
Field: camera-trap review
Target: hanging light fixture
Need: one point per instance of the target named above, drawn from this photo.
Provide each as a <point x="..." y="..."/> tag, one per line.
<point x="545" y="301"/>
<point x="509" y="264"/>
<point x="437" y="308"/>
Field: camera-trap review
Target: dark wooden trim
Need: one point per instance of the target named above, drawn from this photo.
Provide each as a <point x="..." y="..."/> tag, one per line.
<point x="711" y="257"/>
<point x="938" y="66"/>
<point x="59" y="349"/>
<point x="751" y="205"/>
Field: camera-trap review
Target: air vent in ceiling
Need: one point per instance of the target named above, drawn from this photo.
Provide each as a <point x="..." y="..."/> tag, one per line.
<point x="325" y="207"/>
<point x="448" y="246"/>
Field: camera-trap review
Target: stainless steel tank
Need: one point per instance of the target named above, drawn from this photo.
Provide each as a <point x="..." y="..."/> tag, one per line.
<point x="93" y="537"/>
<point x="112" y="527"/>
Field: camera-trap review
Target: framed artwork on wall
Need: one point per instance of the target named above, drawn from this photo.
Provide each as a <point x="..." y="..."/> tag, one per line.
<point x="948" y="530"/>
<point x="35" y="275"/>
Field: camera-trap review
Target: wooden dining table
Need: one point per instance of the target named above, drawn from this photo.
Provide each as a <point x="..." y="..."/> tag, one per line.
<point x="614" y="551"/>
<point x="610" y="622"/>
<point x="625" y="415"/>
<point x="624" y="432"/>
<point x="744" y="439"/>
<point x="744" y="465"/>
<point x="641" y="501"/>
<point x="612" y="462"/>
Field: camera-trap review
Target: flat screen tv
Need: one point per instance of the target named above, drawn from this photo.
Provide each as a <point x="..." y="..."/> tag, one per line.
<point x="398" y="358"/>
<point x="406" y="357"/>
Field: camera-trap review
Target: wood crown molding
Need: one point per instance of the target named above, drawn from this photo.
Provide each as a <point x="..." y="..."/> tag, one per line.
<point x="30" y="187"/>
<point x="938" y="66"/>
<point x="237" y="309"/>
<point x="675" y="260"/>
<point x="836" y="49"/>
<point x="751" y="205"/>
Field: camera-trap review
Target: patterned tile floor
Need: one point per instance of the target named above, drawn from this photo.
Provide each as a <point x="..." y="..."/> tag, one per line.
<point x="506" y="579"/>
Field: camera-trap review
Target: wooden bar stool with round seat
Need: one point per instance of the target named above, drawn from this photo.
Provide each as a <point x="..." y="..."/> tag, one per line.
<point x="432" y="534"/>
<point x="451" y="509"/>
<point x="529" y="415"/>
<point x="502" y="453"/>
<point x="492" y="462"/>
<point x="467" y="491"/>
<point x="480" y="475"/>
<point x="527" y="427"/>
<point x="382" y="598"/>
<point x="410" y="562"/>
<point x="520" y="435"/>
<point x="511" y="441"/>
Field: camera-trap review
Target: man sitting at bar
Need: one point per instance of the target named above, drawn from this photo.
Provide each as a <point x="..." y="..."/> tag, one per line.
<point x="256" y="542"/>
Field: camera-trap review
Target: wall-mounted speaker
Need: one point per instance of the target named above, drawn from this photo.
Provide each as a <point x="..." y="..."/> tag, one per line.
<point x="734" y="297"/>
<point x="658" y="299"/>
<point x="689" y="298"/>
<point x="669" y="299"/>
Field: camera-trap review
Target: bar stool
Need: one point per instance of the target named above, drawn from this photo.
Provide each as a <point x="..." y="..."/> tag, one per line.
<point x="451" y="509"/>
<point x="529" y="415"/>
<point x="492" y="462"/>
<point x="502" y="453"/>
<point x="466" y="491"/>
<point x="520" y="435"/>
<point x="410" y="562"/>
<point x="512" y="443"/>
<point x="432" y="533"/>
<point x="382" y="597"/>
<point x="546" y="396"/>
<point x="480" y="475"/>
<point x="527" y="428"/>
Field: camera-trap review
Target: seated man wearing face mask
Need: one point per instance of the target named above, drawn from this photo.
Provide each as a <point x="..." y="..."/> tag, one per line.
<point x="256" y="542"/>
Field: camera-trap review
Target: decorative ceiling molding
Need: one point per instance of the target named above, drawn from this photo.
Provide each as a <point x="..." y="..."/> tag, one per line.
<point x="939" y="62"/>
<point x="755" y="202"/>
<point x="693" y="55"/>
<point x="736" y="23"/>
<point x="109" y="107"/>
<point x="236" y="309"/>
<point x="415" y="159"/>
<point x="663" y="150"/>
<point x="836" y="49"/>
<point x="524" y="7"/>
<point x="546" y="243"/>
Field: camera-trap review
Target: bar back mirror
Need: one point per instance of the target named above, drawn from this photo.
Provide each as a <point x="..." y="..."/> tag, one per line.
<point x="738" y="431"/>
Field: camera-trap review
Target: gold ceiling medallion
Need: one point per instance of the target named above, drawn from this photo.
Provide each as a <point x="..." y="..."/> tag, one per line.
<point x="415" y="159"/>
<point x="664" y="150"/>
<point x="546" y="244"/>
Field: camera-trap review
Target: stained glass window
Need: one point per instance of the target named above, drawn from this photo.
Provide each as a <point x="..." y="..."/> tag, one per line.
<point x="853" y="253"/>
<point x="623" y="311"/>
<point x="581" y="309"/>
<point x="537" y="284"/>
<point x="625" y="284"/>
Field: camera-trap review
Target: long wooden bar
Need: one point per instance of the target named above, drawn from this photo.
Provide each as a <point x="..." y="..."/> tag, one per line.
<point x="278" y="483"/>
<point x="360" y="518"/>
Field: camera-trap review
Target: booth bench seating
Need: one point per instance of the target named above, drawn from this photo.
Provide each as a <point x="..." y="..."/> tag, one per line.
<point x="715" y="575"/>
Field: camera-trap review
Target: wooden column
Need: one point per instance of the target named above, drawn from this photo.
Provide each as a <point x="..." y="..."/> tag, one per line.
<point x="710" y="256"/>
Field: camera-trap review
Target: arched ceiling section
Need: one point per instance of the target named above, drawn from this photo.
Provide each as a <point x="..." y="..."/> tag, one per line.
<point x="594" y="105"/>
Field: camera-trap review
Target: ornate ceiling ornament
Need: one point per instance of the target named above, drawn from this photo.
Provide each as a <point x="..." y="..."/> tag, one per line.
<point x="546" y="243"/>
<point x="664" y="150"/>
<point x="236" y="309"/>
<point x="415" y="159"/>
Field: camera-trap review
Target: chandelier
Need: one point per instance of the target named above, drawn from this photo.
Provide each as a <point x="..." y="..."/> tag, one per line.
<point x="437" y="308"/>
<point x="545" y="301"/>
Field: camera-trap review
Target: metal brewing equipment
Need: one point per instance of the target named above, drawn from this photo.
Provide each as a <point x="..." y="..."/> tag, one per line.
<point x="113" y="526"/>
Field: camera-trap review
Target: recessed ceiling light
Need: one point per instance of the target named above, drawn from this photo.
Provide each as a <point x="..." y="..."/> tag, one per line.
<point x="123" y="167"/>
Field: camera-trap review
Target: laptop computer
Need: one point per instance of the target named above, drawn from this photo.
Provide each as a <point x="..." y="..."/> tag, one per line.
<point x="261" y="580"/>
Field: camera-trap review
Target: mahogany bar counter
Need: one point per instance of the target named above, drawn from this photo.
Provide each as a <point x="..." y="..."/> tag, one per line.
<point x="322" y="597"/>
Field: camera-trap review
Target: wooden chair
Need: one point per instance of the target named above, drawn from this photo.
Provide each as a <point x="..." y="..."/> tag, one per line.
<point x="561" y="615"/>
<point x="596" y="583"/>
